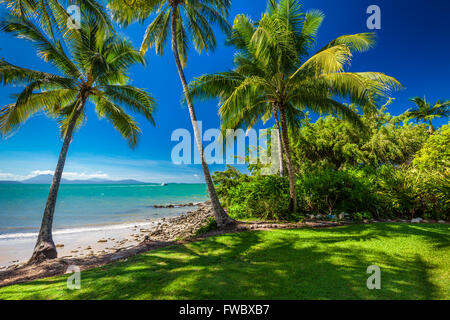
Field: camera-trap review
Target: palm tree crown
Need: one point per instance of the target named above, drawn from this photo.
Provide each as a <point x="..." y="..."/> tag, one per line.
<point x="94" y="69"/>
<point x="194" y="20"/>
<point x="426" y="112"/>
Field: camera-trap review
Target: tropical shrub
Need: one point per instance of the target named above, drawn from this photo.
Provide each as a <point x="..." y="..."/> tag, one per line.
<point x="435" y="154"/>
<point x="409" y="193"/>
<point x="331" y="192"/>
<point x="331" y="142"/>
<point x="253" y="197"/>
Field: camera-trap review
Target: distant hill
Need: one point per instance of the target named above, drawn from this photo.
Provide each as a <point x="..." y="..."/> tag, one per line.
<point x="47" y="179"/>
<point x="40" y="179"/>
<point x="10" y="182"/>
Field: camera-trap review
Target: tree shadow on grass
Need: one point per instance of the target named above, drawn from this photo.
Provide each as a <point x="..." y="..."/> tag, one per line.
<point x="288" y="264"/>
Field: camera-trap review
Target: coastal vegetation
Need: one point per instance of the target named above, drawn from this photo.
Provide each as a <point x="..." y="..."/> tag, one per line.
<point x="393" y="171"/>
<point x="278" y="264"/>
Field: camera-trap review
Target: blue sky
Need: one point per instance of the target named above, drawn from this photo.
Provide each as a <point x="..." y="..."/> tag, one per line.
<point x="413" y="46"/>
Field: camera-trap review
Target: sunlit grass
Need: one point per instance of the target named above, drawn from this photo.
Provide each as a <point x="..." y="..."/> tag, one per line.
<point x="281" y="264"/>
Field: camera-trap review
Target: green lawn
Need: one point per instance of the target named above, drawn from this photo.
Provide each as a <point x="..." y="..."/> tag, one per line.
<point x="282" y="264"/>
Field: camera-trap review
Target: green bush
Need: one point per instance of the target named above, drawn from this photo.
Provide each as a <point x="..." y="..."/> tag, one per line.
<point x="263" y="197"/>
<point x="365" y="192"/>
<point x="435" y="154"/>
<point x="253" y="197"/>
<point x="411" y="192"/>
<point x="329" y="191"/>
<point x="210" y="226"/>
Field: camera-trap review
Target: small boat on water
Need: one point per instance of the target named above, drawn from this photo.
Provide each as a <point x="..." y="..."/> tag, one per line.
<point x="163" y="184"/>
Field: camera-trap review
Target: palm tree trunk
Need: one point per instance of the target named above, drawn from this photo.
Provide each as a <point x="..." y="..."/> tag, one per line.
<point x="292" y="191"/>
<point x="431" y="127"/>
<point x="280" y="145"/>
<point x="221" y="216"/>
<point x="45" y="248"/>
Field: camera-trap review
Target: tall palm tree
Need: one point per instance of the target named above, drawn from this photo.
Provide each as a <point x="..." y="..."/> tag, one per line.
<point x="425" y="112"/>
<point x="93" y="67"/>
<point x="188" y="20"/>
<point x="273" y="69"/>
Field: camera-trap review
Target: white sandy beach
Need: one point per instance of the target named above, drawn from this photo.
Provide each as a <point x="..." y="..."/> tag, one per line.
<point x="77" y="242"/>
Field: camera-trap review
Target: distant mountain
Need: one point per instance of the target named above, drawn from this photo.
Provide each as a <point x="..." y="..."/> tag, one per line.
<point x="102" y="181"/>
<point x="9" y="182"/>
<point x="47" y="179"/>
<point x="40" y="179"/>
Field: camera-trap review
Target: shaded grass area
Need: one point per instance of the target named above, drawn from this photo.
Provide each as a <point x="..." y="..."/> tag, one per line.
<point x="279" y="264"/>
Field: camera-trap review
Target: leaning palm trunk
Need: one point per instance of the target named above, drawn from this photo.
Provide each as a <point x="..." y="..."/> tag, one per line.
<point x="221" y="216"/>
<point x="280" y="146"/>
<point x="292" y="191"/>
<point x="45" y="248"/>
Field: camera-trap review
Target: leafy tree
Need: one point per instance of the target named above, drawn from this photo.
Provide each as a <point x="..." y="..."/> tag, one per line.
<point x="273" y="71"/>
<point x="425" y="112"/>
<point x="332" y="142"/>
<point x="188" y="21"/>
<point x="435" y="154"/>
<point x="94" y="69"/>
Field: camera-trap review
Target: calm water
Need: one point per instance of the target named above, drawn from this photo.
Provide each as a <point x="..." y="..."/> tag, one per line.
<point x="22" y="205"/>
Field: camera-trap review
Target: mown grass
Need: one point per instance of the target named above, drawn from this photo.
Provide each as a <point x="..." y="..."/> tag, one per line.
<point x="281" y="264"/>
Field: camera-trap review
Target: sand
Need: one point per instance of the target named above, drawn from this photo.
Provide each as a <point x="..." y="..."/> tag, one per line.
<point x="79" y="242"/>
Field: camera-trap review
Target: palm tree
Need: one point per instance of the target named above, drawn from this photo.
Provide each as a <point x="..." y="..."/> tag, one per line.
<point x="274" y="71"/>
<point x="188" y="21"/>
<point x="426" y="113"/>
<point x="93" y="68"/>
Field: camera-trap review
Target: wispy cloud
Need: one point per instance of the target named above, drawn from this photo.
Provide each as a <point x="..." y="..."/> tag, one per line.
<point x="67" y="175"/>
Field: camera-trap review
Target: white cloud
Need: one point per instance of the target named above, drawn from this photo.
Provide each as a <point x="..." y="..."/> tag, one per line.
<point x="38" y="172"/>
<point x="67" y="175"/>
<point x="85" y="175"/>
<point x="7" y="176"/>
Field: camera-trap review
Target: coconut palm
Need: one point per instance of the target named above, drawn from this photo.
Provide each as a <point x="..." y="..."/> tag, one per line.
<point x="425" y="112"/>
<point x="93" y="68"/>
<point x="188" y="21"/>
<point x="273" y="70"/>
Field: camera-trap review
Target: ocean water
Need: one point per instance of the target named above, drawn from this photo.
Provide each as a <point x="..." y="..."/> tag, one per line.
<point x="87" y="207"/>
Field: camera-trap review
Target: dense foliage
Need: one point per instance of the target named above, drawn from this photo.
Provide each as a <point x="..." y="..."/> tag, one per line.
<point x="332" y="143"/>
<point x="391" y="171"/>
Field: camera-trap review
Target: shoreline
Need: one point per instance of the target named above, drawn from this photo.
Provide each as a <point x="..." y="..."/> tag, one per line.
<point x="16" y="248"/>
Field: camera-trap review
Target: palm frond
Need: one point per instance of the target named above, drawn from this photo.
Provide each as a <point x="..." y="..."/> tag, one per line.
<point x="121" y="121"/>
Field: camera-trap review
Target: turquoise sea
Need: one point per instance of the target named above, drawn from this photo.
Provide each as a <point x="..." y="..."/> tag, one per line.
<point x="22" y="205"/>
